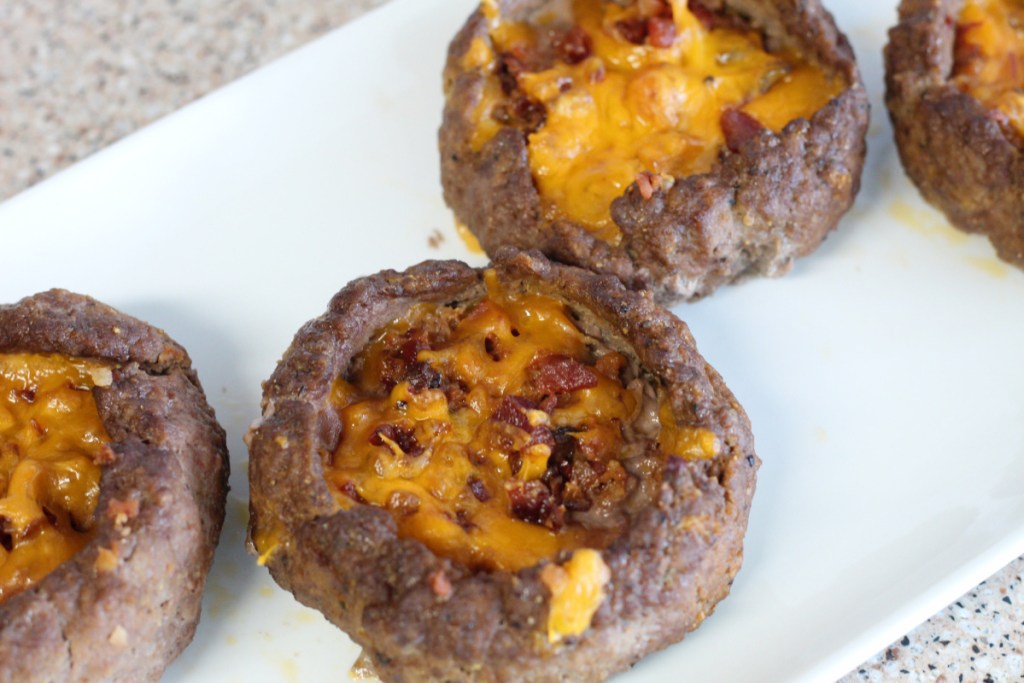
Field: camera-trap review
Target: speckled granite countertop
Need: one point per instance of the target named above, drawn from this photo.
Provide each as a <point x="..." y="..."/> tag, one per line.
<point x="75" y="77"/>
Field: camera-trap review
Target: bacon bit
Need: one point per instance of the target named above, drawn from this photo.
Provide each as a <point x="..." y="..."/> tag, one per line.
<point x="509" y="68"/>
<point x="106" y="455"/>
<point x="410" y="349"/>
<point x="574" y="46"/>
<point x="515" y="462"/>
<point x="532" y="502"/>
<point x="632" y="30"/>
<point x="404" y="503"/>
<point x="560" y="463"/>
<point x="739" y="127"/>
<point x="6" y="539"/>
<point x="648" y="183"/>
<point x="556" y="373"/>
<point x="463" y="520"/>
<point x="107" y="559"/>
<point x="456" y="393"/>
<point x="402" y="437"/>
<point x="661" y="32"/>
<point x="512" y="410"/>
<point x="119" y="637"/>
<point x="28" y="395"/>
<point x="491" y="347"/>
<point x="532" y="114"/>
<point x="402" y="364"/>
<point x="440" y="584"/>
<point x="705" y="16"/>
<point x="350" y="490"/>
<point x="479" y="489"/>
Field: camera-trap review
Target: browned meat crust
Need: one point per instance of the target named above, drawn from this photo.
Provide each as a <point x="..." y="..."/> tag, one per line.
<point x="85" y="621"/>
<point x="961" y="158"/>
<point x="759" y="208"/>
<point x="673" y="562"/>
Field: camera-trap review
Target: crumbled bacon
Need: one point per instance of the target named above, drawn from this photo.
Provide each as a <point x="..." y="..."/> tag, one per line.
<point x="574" y="46"/>
<point x="350" y="490"/>
<point x="531" y="501"/>
<point x="491" y="347"/>
<point x="403" y="365"/>
<point x="633" y="30"/>
<point x="705" y="16"/>
<point x="509" y="68"/>
<point x="456" y="393"/>
<point x="403" y="503"/>
<point x="512" y="410"/>
<point x="661" y="31"/>
<point x="479" y="489"/>
<point x="548" y="403"/>
<point x="515" y="462"/>
<point x="739" y="127"/>
<point x="556" y="373"/>
<point x="531" y="114"/>
<point x="403" y="437"/>
<point x="463" y="520"/>
<point x="647" y="183"/>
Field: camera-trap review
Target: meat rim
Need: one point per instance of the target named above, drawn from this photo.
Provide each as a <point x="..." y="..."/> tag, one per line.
<point x="961" y="158"/>
<point x="759" y="208"/>
<point x="128" y="603"/>
<point x="674" y="561"/>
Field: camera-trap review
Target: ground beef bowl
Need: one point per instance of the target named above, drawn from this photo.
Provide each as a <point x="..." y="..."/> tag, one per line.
<point x="677" y="145"/>
<point x="519" y="473"/>
<point x="113" y="478"/>
<point x="954" y="80"/>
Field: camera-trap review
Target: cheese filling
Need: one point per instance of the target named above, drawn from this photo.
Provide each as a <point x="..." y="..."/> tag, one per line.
<point x="639" y="91"/>
<point x="498" y="433"/>
<point x="989" y="56"/>
<point x="51" y="442"/>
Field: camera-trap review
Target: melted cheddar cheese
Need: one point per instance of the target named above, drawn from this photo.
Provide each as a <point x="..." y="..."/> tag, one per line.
<point x="577" y="590"/>
<point x="989" y="55"/>
<point x="51" y="437"/>
<point x="617" y="108"/>
<point x="490" y="431"/>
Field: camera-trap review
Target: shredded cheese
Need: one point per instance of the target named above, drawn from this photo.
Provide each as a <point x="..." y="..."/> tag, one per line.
<point x="483" y="428"/>
<point x="51" y="437"/>
<point x="990" y="56"/>
<point x="630" y="108"/>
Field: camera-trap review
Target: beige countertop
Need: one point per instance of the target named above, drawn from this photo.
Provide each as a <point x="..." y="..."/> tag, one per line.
<point x="77" y="76"/>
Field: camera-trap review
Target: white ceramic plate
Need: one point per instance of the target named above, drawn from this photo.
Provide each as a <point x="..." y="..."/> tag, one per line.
<point x="883" y="376"/>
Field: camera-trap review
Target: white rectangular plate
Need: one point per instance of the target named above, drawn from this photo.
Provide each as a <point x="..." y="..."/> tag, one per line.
<point x="883" y="376"/>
